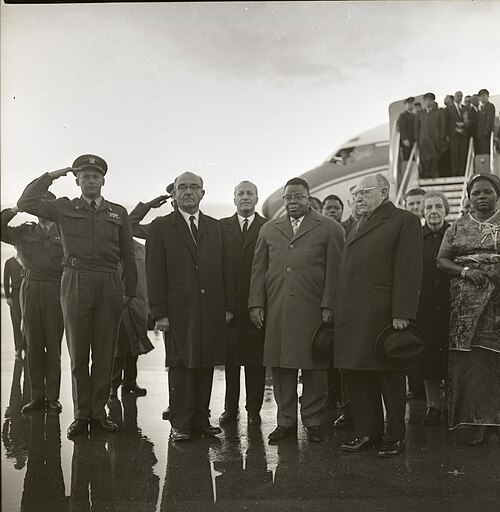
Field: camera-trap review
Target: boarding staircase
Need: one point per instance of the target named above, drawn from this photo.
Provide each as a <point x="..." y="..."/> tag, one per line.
<point x="406" y="174"/>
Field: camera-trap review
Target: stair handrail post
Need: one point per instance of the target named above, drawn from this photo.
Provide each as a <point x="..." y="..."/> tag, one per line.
<point x="414" y="155"/>
<point x="492" y="152"/>
<point x="394" y="152"/>
<point x="469" y="169"/>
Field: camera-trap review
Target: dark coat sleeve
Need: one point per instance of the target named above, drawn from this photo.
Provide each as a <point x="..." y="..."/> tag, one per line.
<point x="156" y="270"/>
<point x="136" y="215"/>
<point x="9" y="233"/>
<point x="257" y="295"/>
<point x="7" y="280"/>
<point x="333" y="255"/>
<point x="408" y="268"/>
<point x="127" y="256"/>
<point x="31" y="199"/>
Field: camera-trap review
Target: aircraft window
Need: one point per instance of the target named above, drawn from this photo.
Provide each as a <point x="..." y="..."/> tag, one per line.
<point x="349" y="155"/>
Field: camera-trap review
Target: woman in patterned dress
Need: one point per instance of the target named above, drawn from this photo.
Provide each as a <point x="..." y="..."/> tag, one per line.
<point x="470" y="255"/>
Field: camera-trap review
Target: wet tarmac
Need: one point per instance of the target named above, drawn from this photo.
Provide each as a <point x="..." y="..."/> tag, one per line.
<point x="139" y="470"/>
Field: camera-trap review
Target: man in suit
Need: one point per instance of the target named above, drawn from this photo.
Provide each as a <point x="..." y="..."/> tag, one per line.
<point x="379" y="284"/>
<point x="245" y="342"/>
<point x="333" y="207"/>
<point x="294" y="276"/>
<point x="189" y="288"/>
<point x="12" y="277"/>
<point x="485" y="123"/>
<point x="96" y="237"/>
<point x="455" y="127"/>
<point x="39" y="247"/>
<point x="430" y="133"/>
<point x="406" y="125"/>
<point x="413" y="201"/>
<point x="354" y="217"/>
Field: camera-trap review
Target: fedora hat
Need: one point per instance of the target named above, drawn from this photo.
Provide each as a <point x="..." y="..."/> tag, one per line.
<point x="399" y="349"/>
<point x="322" y="343"/>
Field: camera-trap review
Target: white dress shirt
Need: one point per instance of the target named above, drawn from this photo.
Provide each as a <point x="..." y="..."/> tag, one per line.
<point x="186" y="218"/>
<point x="241" y="220"/>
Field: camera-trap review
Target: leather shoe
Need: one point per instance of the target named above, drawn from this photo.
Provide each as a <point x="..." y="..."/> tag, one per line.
<point x="362" y="444"/>
<point x="135" y="390"/>
<point x="228" y="417"/>
<point x="33" y="405"/>
<point x="343" y="421"/>
<point x="103" y="424"/>
<point x="208" y="431"/>
<point x="165" y="415"/>
<point x="314" y="433"/>
<point x="431" y="417"/>
<point x="54" y="406"/>
<point x="78" y="427"/>
<point x="391" y="448"/>
<point x="254" y="418"/>
<point x="179" y="435"/>
<point x="281" y="432"/>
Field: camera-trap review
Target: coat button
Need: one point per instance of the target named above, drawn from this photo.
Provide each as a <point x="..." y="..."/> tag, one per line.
<point x="436" y="282"/>
<point x="434" y="235"/>
<point x="197" y="267"/>
<point x="291" y="246"/>
<point x="202" y="291"/>
<point x="288" y="269"/>
<point x="434" y="256"/>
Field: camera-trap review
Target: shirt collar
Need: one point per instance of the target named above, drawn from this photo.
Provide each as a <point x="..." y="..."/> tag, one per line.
<point x="98" y="201"/>
<point x="241" y="220"/>
<point x="187" y="215"/>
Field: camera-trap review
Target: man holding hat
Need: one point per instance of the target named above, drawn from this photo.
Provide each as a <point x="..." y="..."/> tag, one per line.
<point x="96" y="236"/>
<point x="40" y="251"/>
<point x="379" y="285"/>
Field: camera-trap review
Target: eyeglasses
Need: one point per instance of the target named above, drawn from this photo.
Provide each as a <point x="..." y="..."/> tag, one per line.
<point x="296" y="197"/>
<point x="363" y="192"/>
<point x="194" y="188"/>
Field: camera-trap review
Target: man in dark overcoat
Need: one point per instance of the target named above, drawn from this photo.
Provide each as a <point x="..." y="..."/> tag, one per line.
<point x="485" y="123"/>
<point x="245" y="343"/>
<point x="406" y="125"/>
<point x="294" y="276"/>
<point x="456" y="130"/>
<point x="379" y="285"/>
<point x="430" y="133"/>
<point x="189" y="297"/>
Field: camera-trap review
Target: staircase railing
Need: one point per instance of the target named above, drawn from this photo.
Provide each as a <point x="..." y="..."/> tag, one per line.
<point x="409" y="173"/>
<point x="492" y="153"/>
<point x="469" y="169"/>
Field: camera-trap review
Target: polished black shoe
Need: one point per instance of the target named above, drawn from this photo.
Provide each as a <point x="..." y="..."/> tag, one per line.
<point x="314" y="434"/>
<point x="431" y="416"/>
<point x="343" y="421"/>
<point x="228" y="417"/>
<point x="179" y="435"/>
<point x="208" y="431"/>
<point x="77" y="428"/>
<point x="254" y="418"/>
<point x="391" y="449"/>
<point x="103" y="424"/>
<point x="33" y="405"/>
<point x="281" y="432"/>
<point x="362" y="444"/>
<point x="54" y="406"/>
<point x="165" y="415"/>
<point x="134" y="390"/>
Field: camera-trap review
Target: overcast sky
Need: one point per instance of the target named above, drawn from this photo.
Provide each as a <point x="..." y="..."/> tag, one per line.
<point x="232" y="91"/>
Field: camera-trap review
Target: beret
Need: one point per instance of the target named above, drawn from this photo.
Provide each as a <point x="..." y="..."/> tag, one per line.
<point x="91" y="162"/>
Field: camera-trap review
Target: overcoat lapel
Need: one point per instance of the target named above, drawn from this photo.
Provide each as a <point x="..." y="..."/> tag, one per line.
<point x="186" y="235"/>
<point x="253" y="231"/>
<point x="234" y="228"/>
<point x="376" y="219"/>
<point x="311" y="220"/>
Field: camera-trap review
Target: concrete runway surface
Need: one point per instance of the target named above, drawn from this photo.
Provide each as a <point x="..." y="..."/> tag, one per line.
<point x="139" y="470"/>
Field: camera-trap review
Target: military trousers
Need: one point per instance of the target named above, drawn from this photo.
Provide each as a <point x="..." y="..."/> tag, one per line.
<point x="314" y="396"/>
<point x="16" y="316"/>
<point x="92" y="304"/>
<point x="43" y="328"/>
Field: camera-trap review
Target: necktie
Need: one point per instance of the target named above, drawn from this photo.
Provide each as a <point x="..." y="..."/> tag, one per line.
<point x="93" y="205"/>
<point x="194" y="229"/>
<point x="245" y="227"/>
<point x="295" y="226"/>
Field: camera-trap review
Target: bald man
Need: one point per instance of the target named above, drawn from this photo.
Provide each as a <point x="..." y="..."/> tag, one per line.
<point x="188" y="288"/>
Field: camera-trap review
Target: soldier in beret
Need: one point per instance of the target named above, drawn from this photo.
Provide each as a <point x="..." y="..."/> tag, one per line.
<point x="96" y="236"/>
<point x="40" y="251"/>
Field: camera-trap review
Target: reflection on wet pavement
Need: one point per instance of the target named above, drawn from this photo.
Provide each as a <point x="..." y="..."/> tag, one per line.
<point x="138" y="469"/>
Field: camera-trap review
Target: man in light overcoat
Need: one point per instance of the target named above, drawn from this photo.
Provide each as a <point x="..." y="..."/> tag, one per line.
<point x="292" y="286"/>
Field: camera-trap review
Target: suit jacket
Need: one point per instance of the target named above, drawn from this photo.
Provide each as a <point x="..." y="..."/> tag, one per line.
<point x="239" y="250"/>
<point x="379" y="279"/>
<point x="293" y="278"/>
<point x="406" y="123"/>
<point x="486" y="120"/>
<point x="452" y="117"/>
<point x="188" y="284"/>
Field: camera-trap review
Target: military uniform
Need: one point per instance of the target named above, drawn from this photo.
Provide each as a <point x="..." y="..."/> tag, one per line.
<point x="94" y="243"/>
<point x="41" y="253"/>
<point x="12" y="284"/>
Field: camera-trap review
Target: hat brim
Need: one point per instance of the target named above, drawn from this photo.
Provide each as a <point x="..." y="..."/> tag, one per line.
<point x="322" y="343"/>
<point x="400" y="364"/>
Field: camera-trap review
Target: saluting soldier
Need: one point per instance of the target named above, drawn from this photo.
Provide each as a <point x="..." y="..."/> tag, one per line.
<point x="96" y="235"/>
<point x="40" y="250"/>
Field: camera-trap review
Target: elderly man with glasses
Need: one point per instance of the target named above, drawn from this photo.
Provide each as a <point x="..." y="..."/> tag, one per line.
<point x="294" y="275"/>
<point x="379" y="285"/>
